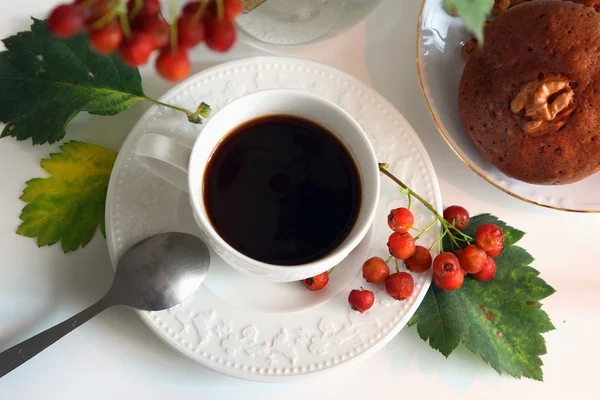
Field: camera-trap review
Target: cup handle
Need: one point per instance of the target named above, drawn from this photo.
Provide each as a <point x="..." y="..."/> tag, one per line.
<point x="165" y="158"/>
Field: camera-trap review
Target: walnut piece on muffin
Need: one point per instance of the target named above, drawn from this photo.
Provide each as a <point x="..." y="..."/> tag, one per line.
<point x="530" y="97"/>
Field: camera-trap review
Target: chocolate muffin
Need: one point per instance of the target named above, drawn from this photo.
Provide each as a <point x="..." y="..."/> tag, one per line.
<point x="530" y="97"/>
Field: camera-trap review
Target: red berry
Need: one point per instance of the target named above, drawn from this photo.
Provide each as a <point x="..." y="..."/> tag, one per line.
<point x="106" y="39"/>
<point x="490" y="238"/>
<point x="191" y="8"/>
<point x="317" y="282"/>
<point x="375" y="270"/>
<point x="220" y="35"/>
<point x="96" y="10"/>
<point x="472" y="259"/>
<point x="420" y="261"/>
<point x="233" y="8"/>
<point x="156" y="27"/>
<point x="447" y="273"/>
<point x="189" y="32"/>
<point x="400" y="285"/>
<point x="449" y="282"/>
<point x="66" y="20"/>
<point x="149" y="8"/>
<point x="361" y="300"/>
<point x="173" y="66"/>
<point x="488" y="271"/>
<point x="401" y="220"/>
<point x="446" y="264"/>
<point x="401" y="245"/>
<point x="457" y="216"/>
<point x="137" y="50"/>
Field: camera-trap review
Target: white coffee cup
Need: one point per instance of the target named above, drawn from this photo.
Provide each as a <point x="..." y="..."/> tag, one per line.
<point x="184" y="167"/>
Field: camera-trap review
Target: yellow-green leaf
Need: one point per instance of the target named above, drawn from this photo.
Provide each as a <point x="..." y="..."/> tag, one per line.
<point x="69" y="205"/>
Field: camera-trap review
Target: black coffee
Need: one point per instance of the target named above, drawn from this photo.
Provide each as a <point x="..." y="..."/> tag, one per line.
<point x="282" y="190"/>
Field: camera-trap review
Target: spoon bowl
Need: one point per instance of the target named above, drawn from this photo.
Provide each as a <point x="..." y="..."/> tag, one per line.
<point x="155" y="274"/>
<point x="160" y="271"/>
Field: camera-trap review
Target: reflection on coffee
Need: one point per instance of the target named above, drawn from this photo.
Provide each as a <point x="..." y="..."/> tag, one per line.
<point x="282" y="190"/>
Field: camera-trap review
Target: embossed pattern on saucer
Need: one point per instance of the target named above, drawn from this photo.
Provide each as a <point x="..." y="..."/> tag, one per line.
<point x="247" y="328"/>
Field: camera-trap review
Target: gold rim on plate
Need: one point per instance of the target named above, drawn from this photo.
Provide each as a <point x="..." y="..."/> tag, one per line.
<point x="441" y="131"/>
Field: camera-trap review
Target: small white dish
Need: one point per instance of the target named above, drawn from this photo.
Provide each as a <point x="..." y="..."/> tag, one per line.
<point x="440" y="66"/>
<point x="249" y="328"/>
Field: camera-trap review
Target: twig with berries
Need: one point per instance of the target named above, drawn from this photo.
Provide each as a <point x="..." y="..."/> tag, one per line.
<point x="469" y="255"/>
<point x="138" y="28"/>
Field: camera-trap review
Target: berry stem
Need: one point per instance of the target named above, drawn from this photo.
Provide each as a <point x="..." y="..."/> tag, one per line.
<point x="105" y="20"/>
<point x="409" y="201"/>
<point x="137" y="7"/>
<point x="160" y="103"/>
<point x="173" y="26"/>
<point x="200" y="11"/>
<point x="383" y="169"/>
<point x="438" y="240"/>
<point x="86" y="3"/>
<point x="423" y="231"/>
<point x="220" y="10"/>
<point x="331" y="270"/>
<point x="445" y="225"/>
<point x="397" y="266"/>
<point x="125" y="25"/>
<point x="388" y="259"/>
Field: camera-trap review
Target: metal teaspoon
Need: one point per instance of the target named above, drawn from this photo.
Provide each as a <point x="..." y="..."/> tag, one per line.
<point x="157" y="273"/>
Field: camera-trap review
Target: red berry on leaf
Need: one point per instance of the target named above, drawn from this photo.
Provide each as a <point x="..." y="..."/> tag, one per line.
<point x="173" y="66"/>
<point x="400" y="285"/>
<point x="136" y="51"/>
<point x="449" y="282"/>
<point x="233" y="8"/>
<point x="447" y="274"/>
<point x="189" y="32"/>
<point x="317" y="282"/>
<point x="375" y="270"/>
<point x="149" y="8"/>
<point x="472" y="259"/>
<point x="400" y="220"/>
<point x="220" y="35"/>
<point x="156" y="27"/>
<point x="458" y="216"/>
<point x="66" y="20"/>
<point x="490" y="238"/>
<point x="420" y="261"/>
<point x="488" y="271"/>
<point x="401" y="245"/>
<point x="361" y="300"/>
<point x="107" y="38"/>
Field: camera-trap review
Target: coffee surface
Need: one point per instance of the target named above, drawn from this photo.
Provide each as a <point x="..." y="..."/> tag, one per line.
<point x="282" y="190"/>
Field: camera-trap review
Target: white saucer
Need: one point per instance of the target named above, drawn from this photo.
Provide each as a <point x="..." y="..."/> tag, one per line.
<point x="251" y="329"/>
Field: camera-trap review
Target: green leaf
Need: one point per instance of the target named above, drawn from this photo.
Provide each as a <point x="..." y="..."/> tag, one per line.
<point x="501" y="320"/>
<point x="46" y="81"/>
<point x="69" y="205"/>
<point x="473" y="13"/>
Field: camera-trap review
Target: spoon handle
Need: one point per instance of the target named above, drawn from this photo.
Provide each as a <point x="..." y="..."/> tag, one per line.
<point x="22" y="352"/>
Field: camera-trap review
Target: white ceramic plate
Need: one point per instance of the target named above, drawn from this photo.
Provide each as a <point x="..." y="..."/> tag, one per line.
<point x="264" y="331"/>
<point x="440" y="66"/>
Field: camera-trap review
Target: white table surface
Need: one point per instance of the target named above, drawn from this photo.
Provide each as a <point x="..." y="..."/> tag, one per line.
<point x="115" y="356"/>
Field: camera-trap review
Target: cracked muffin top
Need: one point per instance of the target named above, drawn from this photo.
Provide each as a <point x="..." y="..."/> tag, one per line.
<point x="530" y="97"/>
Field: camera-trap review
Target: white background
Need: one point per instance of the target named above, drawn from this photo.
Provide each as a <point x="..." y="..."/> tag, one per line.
<point x="116" y="357"/>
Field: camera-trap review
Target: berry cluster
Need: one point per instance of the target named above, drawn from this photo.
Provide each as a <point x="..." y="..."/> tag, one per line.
<point x="474" y="256"/>
<point x="142" y="29"/>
